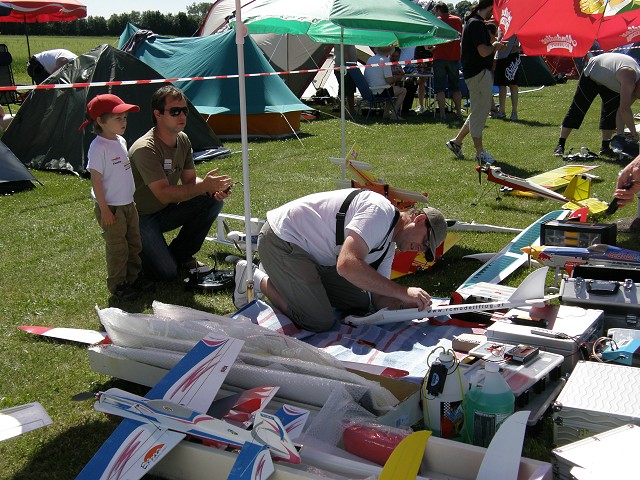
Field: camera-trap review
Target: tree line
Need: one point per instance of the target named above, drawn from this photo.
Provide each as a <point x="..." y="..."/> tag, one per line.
<point x="182" y="24"/>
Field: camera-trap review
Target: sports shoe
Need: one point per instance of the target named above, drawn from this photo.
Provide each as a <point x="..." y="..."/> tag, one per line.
<point x="607" y="152"/>
<point x="240" y="297"/>
<point x="484" y="157"/>
<point x="559" y="151"/>
<point x="514" y="117"/>
<point x="498" y="115"/>
<point x="194" y="266"/>
<point x="419" y="110"/>
<point x="455" y="148"/>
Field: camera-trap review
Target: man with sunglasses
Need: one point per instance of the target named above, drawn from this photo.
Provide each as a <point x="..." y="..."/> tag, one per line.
<point x="169" y="195"/>
<point x="334" y="250"/>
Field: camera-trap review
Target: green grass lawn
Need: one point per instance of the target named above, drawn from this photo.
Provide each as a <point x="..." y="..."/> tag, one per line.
<point x="52" y="268"/>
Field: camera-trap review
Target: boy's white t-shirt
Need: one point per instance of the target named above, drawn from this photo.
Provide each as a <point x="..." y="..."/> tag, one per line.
<point x="111" y="160"/>
<point x="310" y="223"/>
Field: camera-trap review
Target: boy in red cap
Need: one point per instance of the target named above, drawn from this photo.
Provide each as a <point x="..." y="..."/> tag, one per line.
<point x="112" y="188"/>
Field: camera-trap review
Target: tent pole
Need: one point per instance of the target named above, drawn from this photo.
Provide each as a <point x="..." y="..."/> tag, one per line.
<point x="343" y="72"/>
<point x="241" y="32"/>
<point x="26" y="32"/>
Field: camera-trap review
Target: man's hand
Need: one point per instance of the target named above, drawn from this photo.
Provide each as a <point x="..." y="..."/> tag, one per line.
<point x="418" y="297"/>
<point x="628" y="184"/>
<point x="215" y="184"/>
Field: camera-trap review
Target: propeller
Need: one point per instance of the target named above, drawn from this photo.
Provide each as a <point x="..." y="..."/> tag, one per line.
<point x="84" y="396"/>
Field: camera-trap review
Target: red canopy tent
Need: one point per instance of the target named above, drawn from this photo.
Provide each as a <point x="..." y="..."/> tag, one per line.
<point x="31" y="11"/>
<point x="568" y="28"/>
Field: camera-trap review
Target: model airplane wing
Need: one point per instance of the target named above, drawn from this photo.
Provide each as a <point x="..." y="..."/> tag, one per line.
<point x="196" y="379"/>
<point x="253" y="463"/>
<point x="22" y="419"/>
<point x="130" y="452"/>
<point x="79" y="335"/>
<point x="405" y="263"/>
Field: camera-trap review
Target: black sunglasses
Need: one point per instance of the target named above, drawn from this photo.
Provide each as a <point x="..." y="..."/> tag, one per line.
<point x="176" y="111"/>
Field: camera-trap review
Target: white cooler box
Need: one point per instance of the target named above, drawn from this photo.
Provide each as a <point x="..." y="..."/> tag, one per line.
<point x="597" y="397"/>
<point x="567" y="328"/>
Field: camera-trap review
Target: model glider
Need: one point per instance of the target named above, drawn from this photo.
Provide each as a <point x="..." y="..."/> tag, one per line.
<point x="598" y="254"/>
<point x="530" y="292"/>
<point x="576" y="195"/>
<point x="156" y="423"/>
<point x="15" y="421"/>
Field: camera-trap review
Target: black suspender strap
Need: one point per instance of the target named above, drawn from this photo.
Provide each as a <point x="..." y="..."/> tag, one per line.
<point x="377" y="262"/>
<point x="342" y="213"/>
<point x="340" y="218"/>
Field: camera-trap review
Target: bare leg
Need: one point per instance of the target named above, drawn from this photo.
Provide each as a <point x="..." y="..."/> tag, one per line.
<point x="457" y="102"/>
<point x="269" y="290"/>
<point x="441" y="99"/>
<point x="514" y="98"/>
<point x="421" y="92"/>
<point x="502" y="99"/>
<point x="477" y="143"/>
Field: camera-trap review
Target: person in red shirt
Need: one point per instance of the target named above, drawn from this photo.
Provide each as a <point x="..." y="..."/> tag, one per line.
<point x="446" y="64"/>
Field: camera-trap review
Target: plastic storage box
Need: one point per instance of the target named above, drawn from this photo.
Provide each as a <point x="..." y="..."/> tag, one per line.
<point x="597" y="397"/>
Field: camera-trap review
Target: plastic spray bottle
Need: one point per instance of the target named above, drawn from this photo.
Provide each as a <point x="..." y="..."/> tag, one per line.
<point x="487" y="406"/>
<point x="443" y="390"/>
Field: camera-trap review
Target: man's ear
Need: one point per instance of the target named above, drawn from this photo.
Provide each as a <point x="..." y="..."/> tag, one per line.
<point x="419" y="219"/>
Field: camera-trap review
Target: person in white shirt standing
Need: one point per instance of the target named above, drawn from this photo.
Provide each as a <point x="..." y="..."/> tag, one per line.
<point x="112" y="188"/>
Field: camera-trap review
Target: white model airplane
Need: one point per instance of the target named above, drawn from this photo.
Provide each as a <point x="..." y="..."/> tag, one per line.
<point x="154" y="424"/>
<point x="530" y="292"/>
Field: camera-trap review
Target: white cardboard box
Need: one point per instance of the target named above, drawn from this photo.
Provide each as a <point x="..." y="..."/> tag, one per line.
<point x="597" y="397"/>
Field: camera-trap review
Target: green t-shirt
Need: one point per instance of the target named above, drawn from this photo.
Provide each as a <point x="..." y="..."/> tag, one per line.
<point x="153" y="160"/>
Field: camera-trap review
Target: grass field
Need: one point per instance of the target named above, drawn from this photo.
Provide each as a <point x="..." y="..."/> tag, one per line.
<point x="53" y="270"/>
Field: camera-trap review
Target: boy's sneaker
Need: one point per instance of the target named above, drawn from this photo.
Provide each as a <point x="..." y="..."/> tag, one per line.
<point x="455" y="148"/>
<point x="559" y="151"/>
<point x="124" y="291"/>
<point x="484" y="157"/>
<point x="514" y="117"/>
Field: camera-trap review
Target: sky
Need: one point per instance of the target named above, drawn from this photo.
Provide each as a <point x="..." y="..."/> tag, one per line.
<point x="105" y="8"/>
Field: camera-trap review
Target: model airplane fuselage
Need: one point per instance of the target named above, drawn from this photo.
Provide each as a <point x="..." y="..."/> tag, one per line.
<point x="267" y="430"/>
<point x="496" y="175"/>
<point x="557" y="256"/>
<point x="530" y="291"/>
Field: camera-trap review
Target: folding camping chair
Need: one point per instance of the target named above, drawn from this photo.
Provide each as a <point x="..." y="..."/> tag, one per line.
<point x="372" y="101"/>
<point x="6" y="79"/>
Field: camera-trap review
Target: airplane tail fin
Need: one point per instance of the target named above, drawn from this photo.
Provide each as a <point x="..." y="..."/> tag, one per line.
<point x="531" y="287"/>
<point x="579" y="189"/>
<point x="268" y="430"/>
<point x="293" y="419"/>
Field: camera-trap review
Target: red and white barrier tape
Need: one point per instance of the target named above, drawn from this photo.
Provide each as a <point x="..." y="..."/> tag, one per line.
<point x="57" y="86"/>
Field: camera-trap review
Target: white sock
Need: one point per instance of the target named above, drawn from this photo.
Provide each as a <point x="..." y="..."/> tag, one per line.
<point x="258" y="275"/>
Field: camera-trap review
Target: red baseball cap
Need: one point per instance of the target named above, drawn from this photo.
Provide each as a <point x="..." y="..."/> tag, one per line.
<point x="106" y="103"/>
